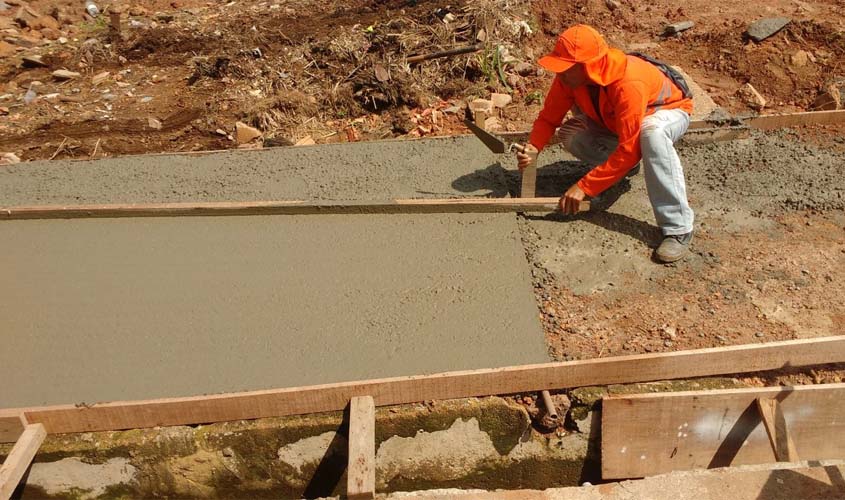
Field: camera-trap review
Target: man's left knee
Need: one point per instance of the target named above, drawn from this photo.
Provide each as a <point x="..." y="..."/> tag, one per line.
<point x="654" y="133"/>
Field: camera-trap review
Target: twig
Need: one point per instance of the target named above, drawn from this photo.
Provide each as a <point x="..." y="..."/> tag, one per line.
<point x="350" y="75"/>
<point x="444" y="53"/>
<point x="96" y="146"/>
<point x="58" y="149"/>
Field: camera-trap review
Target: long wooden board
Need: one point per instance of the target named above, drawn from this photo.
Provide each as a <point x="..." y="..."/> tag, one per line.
<point x="16" y="464"/>
<point x="647" y="434"/>
<point x="769" y="122"/>
<point x="450" y="385"/>
<point x="400" y="206"/>
<point x="763" y="122"/>
<point x="361" y="472"/>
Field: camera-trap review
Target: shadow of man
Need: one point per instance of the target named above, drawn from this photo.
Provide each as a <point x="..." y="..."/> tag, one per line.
<point x="494" y="178"/>
<point x="552" y="180"/>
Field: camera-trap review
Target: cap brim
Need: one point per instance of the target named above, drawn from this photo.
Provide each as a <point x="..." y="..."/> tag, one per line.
<point x="555" y="64"/>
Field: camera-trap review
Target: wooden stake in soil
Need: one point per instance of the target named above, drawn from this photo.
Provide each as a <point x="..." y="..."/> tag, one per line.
<point x="361" y="472"/>
<point x="775" y="422"/>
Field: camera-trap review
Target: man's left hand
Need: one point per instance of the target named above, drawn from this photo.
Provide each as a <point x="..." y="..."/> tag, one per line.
<point x="570" y="202"/>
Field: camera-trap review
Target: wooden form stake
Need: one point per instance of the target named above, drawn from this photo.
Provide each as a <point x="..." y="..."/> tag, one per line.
<point x="16" y="464"/>
<point x="775" y="423"/>
<point x="114" y="18"/>
<point x="510" y="380"/>
<point x="528" y="186"/>
<point x="361" y="472"/>
<point x="479" y="117"/>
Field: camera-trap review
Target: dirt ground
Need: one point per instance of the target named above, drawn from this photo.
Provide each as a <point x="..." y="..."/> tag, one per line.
<point x="767" y="260"/>
<point x="182" y="72"/>
<point x="769" y="250"/>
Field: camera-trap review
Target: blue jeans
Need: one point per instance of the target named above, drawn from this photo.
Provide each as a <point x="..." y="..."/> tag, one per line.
<point x="664" y="175"/>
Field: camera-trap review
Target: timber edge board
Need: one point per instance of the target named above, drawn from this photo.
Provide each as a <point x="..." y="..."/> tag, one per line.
<point x="409" y="389"/>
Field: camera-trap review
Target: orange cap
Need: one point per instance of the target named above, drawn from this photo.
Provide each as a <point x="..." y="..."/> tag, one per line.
<point x="578" y="44"/>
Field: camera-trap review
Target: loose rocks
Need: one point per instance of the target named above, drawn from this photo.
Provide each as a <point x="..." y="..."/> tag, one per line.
<point x="675" y="28"/>
<point x="830" y="97"/>
<point x="751" y="97"/>
<point x="525" y="69"/>
<point x="244" y="133"/>
<point x="63" y="74"/>
<point x="33" y="62"/>
<point x="764" y="28"/>
<point x="500" y="100"/>
<point x="800" y="58"/>
<point x="9" y="159"/>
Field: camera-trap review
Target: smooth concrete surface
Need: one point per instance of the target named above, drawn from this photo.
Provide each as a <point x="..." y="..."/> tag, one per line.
<point x="116" y="309"/>
<point x="426" y="168"/>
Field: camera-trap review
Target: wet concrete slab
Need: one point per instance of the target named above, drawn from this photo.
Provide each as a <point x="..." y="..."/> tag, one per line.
<point x="116" y="309"/>
<point x="429" y="168"/>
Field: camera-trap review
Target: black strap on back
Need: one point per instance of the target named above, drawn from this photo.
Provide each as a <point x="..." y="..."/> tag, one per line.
<point x="670" y="72"/>
<point x="595" y="92"/>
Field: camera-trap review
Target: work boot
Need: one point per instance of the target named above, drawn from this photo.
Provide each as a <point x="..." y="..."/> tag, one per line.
<point x="673" y="247"/>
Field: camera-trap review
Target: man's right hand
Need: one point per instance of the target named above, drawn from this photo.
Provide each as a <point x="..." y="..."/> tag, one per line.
<point x="527" y="157"/>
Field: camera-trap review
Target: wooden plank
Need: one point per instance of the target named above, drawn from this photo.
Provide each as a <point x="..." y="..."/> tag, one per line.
<point x="647" y="434"/>
<point x="775" y="423"/>
<point x="11" y="427"/>
<point x="764" y="122"/>
<point x="769" y="122"/>
<point x="361" y="472"/>
<point x="528" y="186"/>
<point x="400" y="206"/>
<point x="16" y="464"/>
<point x="450" y="385"/>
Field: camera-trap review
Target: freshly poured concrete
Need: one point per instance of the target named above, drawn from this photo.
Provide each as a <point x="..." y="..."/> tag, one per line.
<point x="435" y="168"/>
<point x="115" y="309"/>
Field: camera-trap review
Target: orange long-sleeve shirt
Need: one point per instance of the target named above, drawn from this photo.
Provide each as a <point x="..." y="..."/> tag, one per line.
<point x="636" y="90"/>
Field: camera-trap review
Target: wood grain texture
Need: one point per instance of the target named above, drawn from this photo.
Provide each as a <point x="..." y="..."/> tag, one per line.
<point x="450" y="385"/>
<point x="769" y="122"/>
<point x="528" y="186"/>
<point x="775" y="423"/>
<point x="361" y="472"/>
<point x="648" y="434"/>
<point x="19" y="459"/>
<point x="11" y="427"/>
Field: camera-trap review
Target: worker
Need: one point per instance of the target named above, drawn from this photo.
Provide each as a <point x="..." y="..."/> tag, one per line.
<point x="625" y="108"/>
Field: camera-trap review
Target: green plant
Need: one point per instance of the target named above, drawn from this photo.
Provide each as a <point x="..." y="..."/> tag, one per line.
<point x="485" y="62"/>
<point x="535" y="96"/>
<point x="95" y="25"/>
